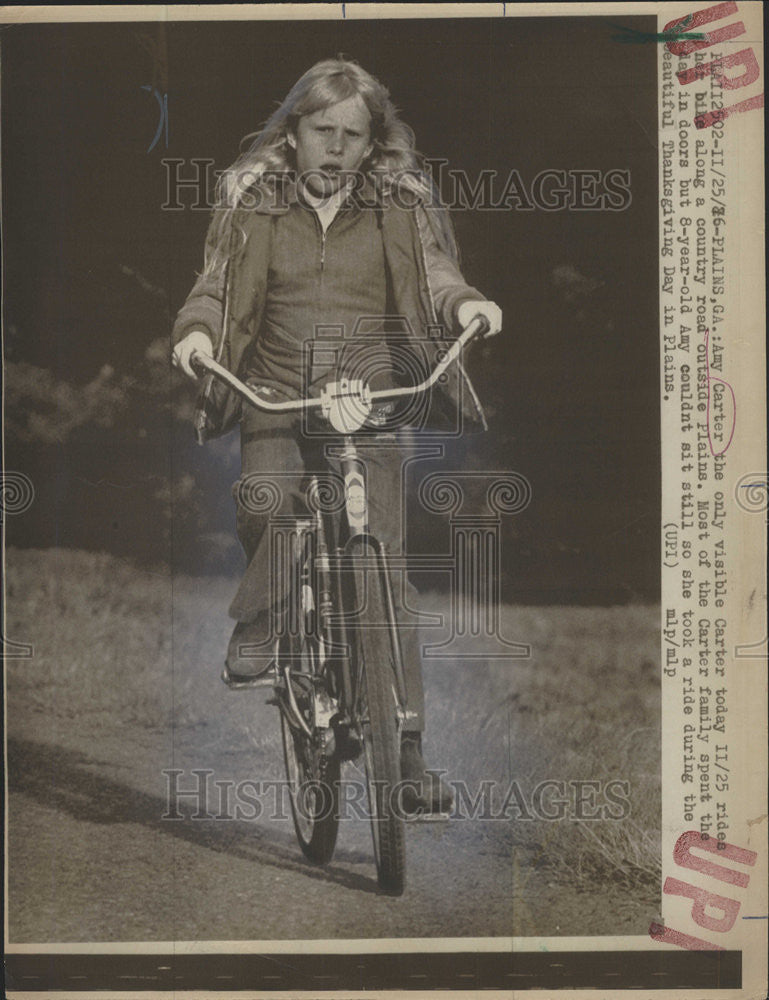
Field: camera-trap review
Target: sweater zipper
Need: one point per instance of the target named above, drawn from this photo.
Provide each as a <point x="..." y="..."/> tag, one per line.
<point x="319" y="226"/>
<point x="323" y="234"/>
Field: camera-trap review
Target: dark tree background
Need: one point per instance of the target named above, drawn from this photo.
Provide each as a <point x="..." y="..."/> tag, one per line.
<point x="94" y="271"/>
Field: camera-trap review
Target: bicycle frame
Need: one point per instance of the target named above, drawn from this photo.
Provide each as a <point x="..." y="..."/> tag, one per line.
<point x="333" y="629"/>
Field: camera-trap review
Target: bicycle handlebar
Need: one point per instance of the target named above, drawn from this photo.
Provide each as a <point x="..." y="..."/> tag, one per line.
<point x="349" y="391"/>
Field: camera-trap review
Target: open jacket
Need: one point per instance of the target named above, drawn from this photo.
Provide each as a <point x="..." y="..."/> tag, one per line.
<point x="425" y="289"/>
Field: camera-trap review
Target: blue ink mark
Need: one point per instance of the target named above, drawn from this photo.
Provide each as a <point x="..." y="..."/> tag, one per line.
<point x="162" y="100"/>
<point x="756" y="918"/>
<point x="344" y="12"/>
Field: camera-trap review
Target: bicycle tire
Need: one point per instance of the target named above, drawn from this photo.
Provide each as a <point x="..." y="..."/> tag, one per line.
<point x="380" y="736"/>
<point x="313" y="772"/>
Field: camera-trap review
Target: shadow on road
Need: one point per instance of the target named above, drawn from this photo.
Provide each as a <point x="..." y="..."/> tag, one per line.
<point x="65" y="780"/>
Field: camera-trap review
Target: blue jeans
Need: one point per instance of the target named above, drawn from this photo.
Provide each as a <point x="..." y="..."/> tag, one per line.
<point x="277" y="457"/>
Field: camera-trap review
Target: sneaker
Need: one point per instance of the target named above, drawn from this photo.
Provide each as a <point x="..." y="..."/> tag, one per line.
<point x="424" y="792"/>
<point x="239" y="666"/>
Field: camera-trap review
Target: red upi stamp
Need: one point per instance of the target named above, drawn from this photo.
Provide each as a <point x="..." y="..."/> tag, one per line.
<point x="710" y="910"/>
<point x="745" y="59"/>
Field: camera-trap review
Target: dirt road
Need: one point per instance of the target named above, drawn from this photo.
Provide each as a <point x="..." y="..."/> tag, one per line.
<point x="92" y="739"/>
<point x="95" y="860"/>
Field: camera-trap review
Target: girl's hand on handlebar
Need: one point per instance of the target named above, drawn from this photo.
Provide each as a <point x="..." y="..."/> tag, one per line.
<point x="195" y="341"/>
<point x="490" y="311"/>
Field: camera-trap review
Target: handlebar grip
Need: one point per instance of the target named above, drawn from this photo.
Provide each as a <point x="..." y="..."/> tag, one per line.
<point x="198" y="363"/>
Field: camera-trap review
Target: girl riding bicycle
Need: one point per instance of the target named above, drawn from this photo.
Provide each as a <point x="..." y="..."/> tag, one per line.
<point x="327" y="217"/>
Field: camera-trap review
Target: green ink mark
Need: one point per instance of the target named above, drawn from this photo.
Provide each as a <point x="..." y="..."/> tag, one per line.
<point x="634" y="37"/>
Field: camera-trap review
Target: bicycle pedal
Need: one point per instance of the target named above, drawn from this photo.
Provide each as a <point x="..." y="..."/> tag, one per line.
<point x="235" y="683"/>
<point x="429" y="817"/>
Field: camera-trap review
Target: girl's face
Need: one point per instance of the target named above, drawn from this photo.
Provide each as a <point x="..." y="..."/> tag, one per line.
<point x="330" y="142"/>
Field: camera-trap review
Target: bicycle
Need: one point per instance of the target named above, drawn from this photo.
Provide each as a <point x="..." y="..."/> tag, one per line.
<point x="337" y="674"/>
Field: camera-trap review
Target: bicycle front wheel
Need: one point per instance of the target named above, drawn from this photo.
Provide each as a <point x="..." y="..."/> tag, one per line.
<point x="378" y="704"/>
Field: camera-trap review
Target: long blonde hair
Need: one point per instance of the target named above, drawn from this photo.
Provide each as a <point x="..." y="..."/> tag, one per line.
<point x="393" y="161"/>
